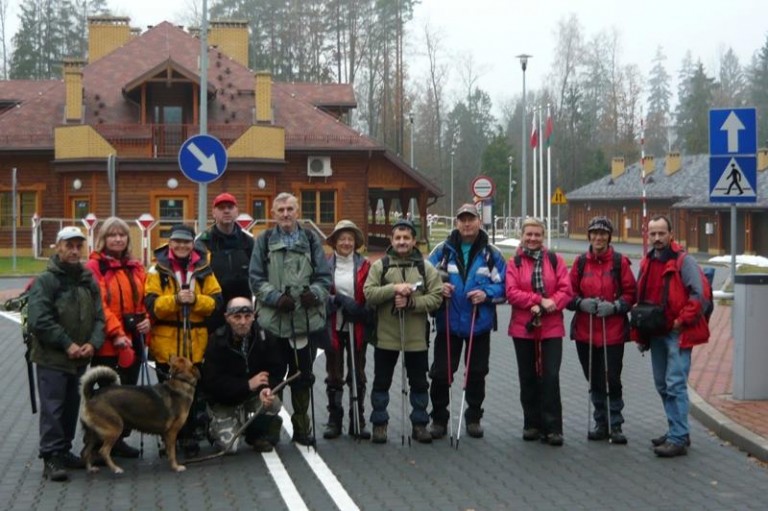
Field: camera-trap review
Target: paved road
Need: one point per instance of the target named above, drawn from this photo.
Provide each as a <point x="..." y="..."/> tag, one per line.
<point x="498" y="472"/>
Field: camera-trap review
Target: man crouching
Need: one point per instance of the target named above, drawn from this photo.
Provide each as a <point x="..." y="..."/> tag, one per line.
<point x="238" y="371"/>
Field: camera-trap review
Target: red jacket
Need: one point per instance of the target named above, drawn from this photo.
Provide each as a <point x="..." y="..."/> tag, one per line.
<point x="598" y="281"/>
<point x="521" y="296"/>
<point x="681" y="307"/>
<point x="118" y="296"/>
<point x="362" y="266"/>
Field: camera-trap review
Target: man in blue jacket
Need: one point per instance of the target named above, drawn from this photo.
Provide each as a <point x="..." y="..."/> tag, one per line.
<point x="473" y="281"/>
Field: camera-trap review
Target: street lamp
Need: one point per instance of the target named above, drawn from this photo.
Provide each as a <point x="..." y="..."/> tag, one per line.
<point x="453" y="153"/>
<point x="510" y="159"/>
<point x="410" y="119"/>
<point x="524" y="64"/>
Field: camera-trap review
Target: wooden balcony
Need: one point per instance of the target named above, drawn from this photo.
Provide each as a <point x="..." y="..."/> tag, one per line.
<point x="161" y="140"/>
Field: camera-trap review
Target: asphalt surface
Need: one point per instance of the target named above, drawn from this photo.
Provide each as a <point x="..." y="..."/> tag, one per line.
<point x="500" y="471"/>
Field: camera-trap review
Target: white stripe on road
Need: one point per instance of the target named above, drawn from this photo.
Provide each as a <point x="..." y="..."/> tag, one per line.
<point x="324" y="474"/>
<point x="283" y="481"/>
<point x="13" y="316"/>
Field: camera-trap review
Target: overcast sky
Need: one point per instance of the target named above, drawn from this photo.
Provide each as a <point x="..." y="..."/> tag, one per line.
<point x="494" y="31"/>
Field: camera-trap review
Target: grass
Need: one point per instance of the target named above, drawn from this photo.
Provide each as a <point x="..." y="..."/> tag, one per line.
<point x="24" y="266"/>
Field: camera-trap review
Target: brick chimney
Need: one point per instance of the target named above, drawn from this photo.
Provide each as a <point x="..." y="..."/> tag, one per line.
<point x="263" y="95"/>
<point x="762" y="159"/>
<point x="231" y="37"/>
<point x="106" y="34"/>
<point x="674" y="163"/>
<point x="73" y="82"/>
<point x="649" y="165"/>
<point x="617" y="167"/>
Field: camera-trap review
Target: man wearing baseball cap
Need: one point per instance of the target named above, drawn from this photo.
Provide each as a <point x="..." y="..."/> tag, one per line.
<point x="473" y="273"/>
<point x="66" y="322"/>
<point x="230" y="251"/>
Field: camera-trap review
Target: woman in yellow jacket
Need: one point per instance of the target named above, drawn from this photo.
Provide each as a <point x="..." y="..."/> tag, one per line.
<point x="181" y="292"/>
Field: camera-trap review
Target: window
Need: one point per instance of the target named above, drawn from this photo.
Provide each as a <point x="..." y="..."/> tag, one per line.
<point x="81" y="206"/>
<point x="319" y="206"/>
<point x="26" y="205"/>
<point x="259" y="209"/>
<point x="171" y="212"/>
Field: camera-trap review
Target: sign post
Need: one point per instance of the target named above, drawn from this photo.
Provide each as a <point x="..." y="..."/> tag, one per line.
<point x="202" y="159"/>
<point x="90" y="222"/>
<point x="145" y="222"/>
<point x="558" y="199"/>
<point x="483" y="188"/>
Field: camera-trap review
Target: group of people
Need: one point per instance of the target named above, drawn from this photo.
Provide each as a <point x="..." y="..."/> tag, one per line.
<point x="252" y="312"/>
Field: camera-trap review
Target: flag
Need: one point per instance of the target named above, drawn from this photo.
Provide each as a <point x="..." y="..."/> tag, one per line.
<point x="534" y="133"/>
<point x="548" y="131"/>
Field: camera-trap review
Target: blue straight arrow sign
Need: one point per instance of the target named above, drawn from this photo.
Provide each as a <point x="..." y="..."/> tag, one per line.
<point x="732" y="131"/>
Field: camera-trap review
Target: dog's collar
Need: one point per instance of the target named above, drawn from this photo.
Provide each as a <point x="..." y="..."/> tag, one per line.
<point x="191" y="383"/>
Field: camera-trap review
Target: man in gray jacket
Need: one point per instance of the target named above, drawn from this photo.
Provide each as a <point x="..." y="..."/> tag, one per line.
<point x="291" y="280"/>
<point x="66" y="321"/>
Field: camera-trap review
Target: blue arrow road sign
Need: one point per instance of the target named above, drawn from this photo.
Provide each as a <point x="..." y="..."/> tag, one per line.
<point x="732" y="131"/>
<point x="203" y="158"/>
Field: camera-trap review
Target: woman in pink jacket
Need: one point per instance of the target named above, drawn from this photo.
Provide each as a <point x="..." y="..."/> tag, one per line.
<point x="538" y="288"/>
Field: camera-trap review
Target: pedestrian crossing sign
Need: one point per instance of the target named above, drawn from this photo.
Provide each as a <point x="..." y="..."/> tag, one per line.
<point x="732" y="179"/>
<point x="558" y="198"/>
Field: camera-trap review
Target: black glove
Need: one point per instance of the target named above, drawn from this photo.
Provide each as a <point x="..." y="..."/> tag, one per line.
<point x="285" y="304"/>
<point x="308" y="299"/>
<point x="352" y="310"/>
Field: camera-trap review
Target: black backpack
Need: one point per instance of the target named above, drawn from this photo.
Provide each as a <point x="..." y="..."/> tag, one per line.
<point x="581" y="262"/>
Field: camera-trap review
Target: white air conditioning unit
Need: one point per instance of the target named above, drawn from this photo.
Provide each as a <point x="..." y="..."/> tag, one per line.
<point x="319" y="166"/>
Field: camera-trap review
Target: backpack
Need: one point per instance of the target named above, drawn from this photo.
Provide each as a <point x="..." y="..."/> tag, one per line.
<point x="310" y="237"/>
<point x="581" y="263"/>
<point x="708" y="302"/>
<point x="552" y="260"/>
<point x="20" y="304"/>
<point x="419" y="267"/>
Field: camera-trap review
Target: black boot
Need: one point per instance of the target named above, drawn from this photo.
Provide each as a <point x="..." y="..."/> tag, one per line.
<point x="335" y="414"/>
<point x="364" y="433"/>
<point x="300" y="418"/>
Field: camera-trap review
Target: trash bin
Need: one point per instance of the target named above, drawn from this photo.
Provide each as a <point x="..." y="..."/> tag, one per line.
<point x="750" y="342"/>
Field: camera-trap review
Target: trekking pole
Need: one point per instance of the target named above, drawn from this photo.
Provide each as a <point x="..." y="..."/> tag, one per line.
<point x="186" y="349"/>
<point x="589" y="376"/>
<point x="466" y="372"/>
<point x="353" y="390"/>
<point x="143" y="380"/>
<point x="607" y="385"/>
<point x="449" y="368"/>
<point x="311" y="375"/>
<point x="404" y="389"/>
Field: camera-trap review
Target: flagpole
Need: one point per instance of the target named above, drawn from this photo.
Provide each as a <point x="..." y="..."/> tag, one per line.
<point x="541" y="165"/>
<point x="549" y="179"/>
<point x="535" y="144"/>
<point x="644" y="227"/>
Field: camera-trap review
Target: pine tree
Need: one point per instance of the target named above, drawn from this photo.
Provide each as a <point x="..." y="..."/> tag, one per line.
<point x="693" y="111"/>
<point x="758" y="91"/>
<point x="731" y="89"/>
<point x="659" y="95"/>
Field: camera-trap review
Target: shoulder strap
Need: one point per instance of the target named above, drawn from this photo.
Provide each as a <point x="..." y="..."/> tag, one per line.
<point x="384" y="268"/>
<point x="617" y="273"/>
<point x="552" y="260"/>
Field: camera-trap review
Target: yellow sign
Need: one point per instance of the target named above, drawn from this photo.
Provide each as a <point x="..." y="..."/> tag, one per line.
<point x="558" y="198"/>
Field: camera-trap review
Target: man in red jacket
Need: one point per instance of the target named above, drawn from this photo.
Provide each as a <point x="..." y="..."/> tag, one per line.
<point x="680" y="295"/>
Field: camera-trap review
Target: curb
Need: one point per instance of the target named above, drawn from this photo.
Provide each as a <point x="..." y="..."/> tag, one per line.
<point x="726" y="429"/>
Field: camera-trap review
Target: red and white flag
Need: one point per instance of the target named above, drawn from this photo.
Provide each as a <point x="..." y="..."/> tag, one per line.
<point x="548" y="130"/>
<point x="534" y="132"/>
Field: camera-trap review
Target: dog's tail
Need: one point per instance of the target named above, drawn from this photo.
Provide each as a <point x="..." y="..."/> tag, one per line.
<point x="101" y="375"/>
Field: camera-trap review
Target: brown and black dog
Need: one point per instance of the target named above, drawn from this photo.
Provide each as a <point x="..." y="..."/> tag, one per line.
<point x="160" y="409"/>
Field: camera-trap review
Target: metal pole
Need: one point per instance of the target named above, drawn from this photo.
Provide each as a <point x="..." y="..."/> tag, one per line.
<point x="524" y="203"/>
<point x="112" y="184"/>
<point x="510" y="159"/>
<point x="450" y="213"/>
<point x="14" y="215"/>
<point x="733" y="244"/>
<point x="202" y="194"/>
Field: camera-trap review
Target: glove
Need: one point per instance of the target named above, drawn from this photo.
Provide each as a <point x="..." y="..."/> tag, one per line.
<point x="352" y="310"/>
<point x="285" y="304"/>
<point x="643" y="347"/>
<point x="588" y="305"/>
<point x="605" y="309"/>
<point x="308" y="299"/>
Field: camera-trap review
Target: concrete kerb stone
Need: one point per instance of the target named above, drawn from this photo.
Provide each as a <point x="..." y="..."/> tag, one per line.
<point x="726" y="429"/>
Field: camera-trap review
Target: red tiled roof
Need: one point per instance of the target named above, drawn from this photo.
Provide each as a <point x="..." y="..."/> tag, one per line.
<point x="30" y="124"/>
<point x="324" y="94"/>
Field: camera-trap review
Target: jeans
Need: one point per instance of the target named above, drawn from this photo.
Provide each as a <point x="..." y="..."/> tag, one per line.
<point x="670" y="374"/>
<point x="416" y="363"/>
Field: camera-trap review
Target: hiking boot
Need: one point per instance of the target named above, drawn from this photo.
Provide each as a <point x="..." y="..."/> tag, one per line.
<point x="379" y="434"/>
<point x="475" y="430"/>
<point x="437" y="430"/>
<point x="262" y="445"/>
<point x="302" y="438"/>
<point x="123" y="450"/>
<point x="617" y="436"/>
<point x="53" y="469"/>
<point x="669" y="450"/>
<point x="420" y="434"/>
<point x="663" y="439"/>
<point x="599" y="433"/>
<point x="531" y="434"/>
<point x="364" y="433"/>
<point x="554" y="439"/>
<point x="332" y="430"/>
<point x="71" y="461"/>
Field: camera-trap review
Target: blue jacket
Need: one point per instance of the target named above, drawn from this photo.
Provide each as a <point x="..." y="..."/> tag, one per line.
<point x="447" y="258"/>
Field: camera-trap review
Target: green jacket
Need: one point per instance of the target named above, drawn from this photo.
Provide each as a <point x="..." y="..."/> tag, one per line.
<point x="64" y="308"/>
<point x="382" y="296"/>
<point x="276" y="268"/>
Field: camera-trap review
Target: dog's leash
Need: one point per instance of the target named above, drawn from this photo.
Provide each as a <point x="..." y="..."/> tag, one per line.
<point x="242" y="429"/>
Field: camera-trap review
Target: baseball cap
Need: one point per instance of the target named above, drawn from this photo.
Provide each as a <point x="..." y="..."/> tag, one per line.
<point x="224" y="197"/>
<point x="467" y="208"/>
<point x="69" y="233"/>
<point x="404" y="223"/>
<point x="182" y="232"/>
<point x="600" y="223"/>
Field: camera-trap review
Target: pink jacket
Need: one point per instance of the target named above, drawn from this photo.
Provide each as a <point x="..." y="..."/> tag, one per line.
<point x="521" y="296"/>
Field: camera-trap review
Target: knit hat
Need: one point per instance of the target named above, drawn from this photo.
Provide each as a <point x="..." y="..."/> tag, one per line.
<point x="404" y="223"/>
<point x="346" y="225"/>
<point x="600" y="223"/>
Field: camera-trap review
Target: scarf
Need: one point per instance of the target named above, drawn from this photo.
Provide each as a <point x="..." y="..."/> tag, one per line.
<point x="537" y="279"/>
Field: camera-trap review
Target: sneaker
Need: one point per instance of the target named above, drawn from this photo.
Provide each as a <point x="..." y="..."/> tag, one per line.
<point x="663" y="439"/>
<point x="71" y="461"/>
<point x="364" y="433"/>
<point x="262" y="445"/>
<point x="531" y="434"/>
<point x="379" y="434"/>
<point x="617" y="436"/>
<point x="437" y="430"/>
<point x="123" y="450"/>
<point x="53" y="469"/>
<point x="420" y="434"/>
<point x="475" y="430"/>
<point x="669" y="450"/>
<point x="599" y="433"/>
<point x="554" y="439"/>
<point x="332" y="430"/>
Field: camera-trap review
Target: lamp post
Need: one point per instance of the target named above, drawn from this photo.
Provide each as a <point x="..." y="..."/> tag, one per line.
<point x="510" y="159"/>
<point x="453" y="152"/>
<point x="524" y="64"/>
